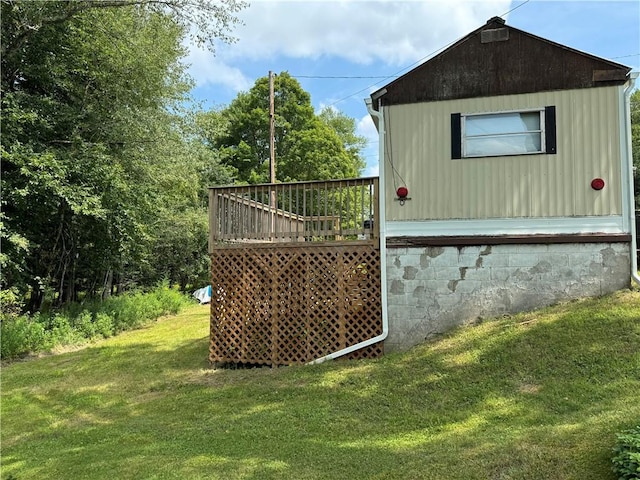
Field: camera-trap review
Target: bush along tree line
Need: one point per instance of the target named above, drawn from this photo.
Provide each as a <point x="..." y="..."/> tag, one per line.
<point x="77" y="323"/>
<point x="104" y="167"/>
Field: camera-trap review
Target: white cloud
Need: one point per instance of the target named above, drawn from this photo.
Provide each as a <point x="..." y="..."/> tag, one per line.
<point x="366" y="128"/>
<point x="360" y="31"/>
<point x="205" y="68"/>
<point x="372" y="170"/>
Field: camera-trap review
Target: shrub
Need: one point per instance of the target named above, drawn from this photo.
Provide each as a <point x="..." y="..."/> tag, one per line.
<point x="84" y="324"/>
<point x="13" y="334"/>
<point x="77" y="323"/>
<point x="131" y="311"/>
<point x="149" y="308"/>
<point x="61" y="332"/>
<point x="104" y="325"/>
<point x="170" y="300"/>
<point x="37" y="335"/>
<point x="20" y="334"/>
<point x="626" y="459"/>
<point x="10" y="303"/>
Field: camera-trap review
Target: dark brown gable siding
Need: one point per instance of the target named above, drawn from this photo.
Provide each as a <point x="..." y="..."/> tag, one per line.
<point x="500" y="60"/>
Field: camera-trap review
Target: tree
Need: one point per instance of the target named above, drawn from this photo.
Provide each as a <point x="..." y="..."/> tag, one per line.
<point x="92" y="143"/>
<point x="177" y="245"/>
<point x="308" y="146"/>
<point x="345" y="127"/>
<point x="22" y="20"/>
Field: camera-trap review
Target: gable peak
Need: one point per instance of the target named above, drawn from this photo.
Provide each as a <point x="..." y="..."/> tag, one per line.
<point x="498" y="20"/>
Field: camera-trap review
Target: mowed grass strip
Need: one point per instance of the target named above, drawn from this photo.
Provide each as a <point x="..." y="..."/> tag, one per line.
<point x="538" y="395"/>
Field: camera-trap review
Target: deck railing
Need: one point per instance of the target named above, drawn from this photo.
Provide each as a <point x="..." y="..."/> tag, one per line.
<point x="321" y="211"/>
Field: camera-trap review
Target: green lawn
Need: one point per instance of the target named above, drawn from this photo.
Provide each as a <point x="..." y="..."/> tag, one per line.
<point x="535" y="396"/>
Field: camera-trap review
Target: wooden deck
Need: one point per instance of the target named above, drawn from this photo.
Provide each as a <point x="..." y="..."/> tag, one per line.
<point x="295" y="271"/>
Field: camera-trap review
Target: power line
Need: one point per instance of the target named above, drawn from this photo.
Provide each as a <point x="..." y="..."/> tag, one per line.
<point x="626" y="56"/>
<point x="417" y="62"/>
<point x="399" y="72"/>
<point x="337" y="76"/>
<point x="395" y="75"/>
<point x="515" y="8"/>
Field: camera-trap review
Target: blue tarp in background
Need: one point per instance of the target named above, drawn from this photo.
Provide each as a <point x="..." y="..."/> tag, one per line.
<point x="203" y="295"/>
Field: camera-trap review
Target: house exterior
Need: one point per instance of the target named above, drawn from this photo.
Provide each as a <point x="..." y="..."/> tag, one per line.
<point x="514" y="154"/>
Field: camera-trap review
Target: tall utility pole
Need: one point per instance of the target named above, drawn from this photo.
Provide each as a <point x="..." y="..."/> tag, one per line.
<point x="272" y="132"/>
<point x="272" y="154"/>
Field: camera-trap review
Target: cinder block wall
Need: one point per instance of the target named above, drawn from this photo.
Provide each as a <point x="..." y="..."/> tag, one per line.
<point x="433" y="289"/>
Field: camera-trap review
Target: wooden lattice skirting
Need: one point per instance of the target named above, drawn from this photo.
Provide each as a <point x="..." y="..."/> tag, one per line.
<point x="277" y="305"/>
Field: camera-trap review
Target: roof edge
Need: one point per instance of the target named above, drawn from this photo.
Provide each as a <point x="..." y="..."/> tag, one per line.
<point x="497" y="22"/>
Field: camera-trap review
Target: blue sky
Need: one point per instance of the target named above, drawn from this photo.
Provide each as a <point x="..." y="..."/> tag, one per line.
<point x="362" y="39"/>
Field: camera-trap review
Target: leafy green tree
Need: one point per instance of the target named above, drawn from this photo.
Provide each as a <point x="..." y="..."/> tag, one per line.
<point x="206" y="127"/>
<point x="176" y="244"/>
<point x="345" y="127"/>
<point x="317" y="153"/>
<point x="95" y="156"/>
<point x="207" y="20"/>
<point x="307" y="146"/>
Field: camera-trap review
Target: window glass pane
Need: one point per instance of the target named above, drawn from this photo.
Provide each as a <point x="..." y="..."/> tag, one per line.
<point x="503" y="145"/>
<point x="531" y="121"/>
<point x="502" y="123"/>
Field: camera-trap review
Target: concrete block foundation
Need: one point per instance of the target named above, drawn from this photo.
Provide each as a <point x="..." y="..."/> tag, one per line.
<point x="432" y="289"/>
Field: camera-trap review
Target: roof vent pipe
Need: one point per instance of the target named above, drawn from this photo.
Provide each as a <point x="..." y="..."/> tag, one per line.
<point x="499" y="20"/>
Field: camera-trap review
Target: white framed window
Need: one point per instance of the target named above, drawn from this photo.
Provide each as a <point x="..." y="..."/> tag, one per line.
<point x="498" y="134"/>
<point x="522" y="132"/>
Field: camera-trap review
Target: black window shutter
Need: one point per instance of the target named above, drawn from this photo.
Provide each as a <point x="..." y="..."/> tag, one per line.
<point x="456" y="136"/>
<point x="550" y="129"/>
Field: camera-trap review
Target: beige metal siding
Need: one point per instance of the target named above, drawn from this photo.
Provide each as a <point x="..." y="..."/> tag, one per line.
<point x="418" y="150"/>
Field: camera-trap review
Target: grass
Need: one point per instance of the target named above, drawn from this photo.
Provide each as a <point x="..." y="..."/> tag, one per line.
<point x="533" y="396"/>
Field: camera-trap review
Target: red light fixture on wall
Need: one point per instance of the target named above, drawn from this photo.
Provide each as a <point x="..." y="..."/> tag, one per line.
<point x="597" y="184"/>
<point x="402" y="193"/>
